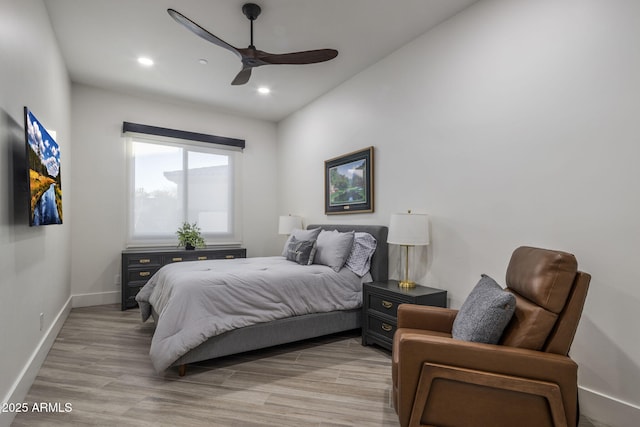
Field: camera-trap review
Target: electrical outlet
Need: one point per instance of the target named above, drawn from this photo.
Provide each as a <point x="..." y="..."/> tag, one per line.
<point x="41" y="321"/>
<point x="117" y="280"/>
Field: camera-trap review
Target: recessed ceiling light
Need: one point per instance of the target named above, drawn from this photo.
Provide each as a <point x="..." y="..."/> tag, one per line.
<point x="264" y="90"/>
<point x="203" y="61"/>
<point x="143" y="60"/>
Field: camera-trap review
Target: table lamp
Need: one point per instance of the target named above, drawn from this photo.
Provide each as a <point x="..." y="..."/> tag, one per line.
<point x="288" y="223"/>
<point x="407" y="229"/>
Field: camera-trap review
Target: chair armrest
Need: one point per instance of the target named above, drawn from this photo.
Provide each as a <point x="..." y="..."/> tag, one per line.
<point x="437" y="319"/>
<point x="414" y="349"/>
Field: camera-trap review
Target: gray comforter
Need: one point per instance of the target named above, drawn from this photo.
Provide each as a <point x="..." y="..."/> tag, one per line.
<point x="200" y="299"/>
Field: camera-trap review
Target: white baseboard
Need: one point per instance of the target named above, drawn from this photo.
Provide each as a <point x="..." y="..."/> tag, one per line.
<point x="606" y="410"/>
<point x="23" y="383"/>
<point x="100" y="298"/>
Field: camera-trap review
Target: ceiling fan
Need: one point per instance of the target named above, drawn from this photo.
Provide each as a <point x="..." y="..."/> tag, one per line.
<point x="252" y="57"/>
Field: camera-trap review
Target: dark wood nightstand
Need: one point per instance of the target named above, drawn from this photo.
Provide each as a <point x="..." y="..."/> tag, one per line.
<point x="380" y="302"/>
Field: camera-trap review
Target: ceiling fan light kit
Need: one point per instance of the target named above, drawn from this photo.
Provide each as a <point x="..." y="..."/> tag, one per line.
<point x="252" y="57"/>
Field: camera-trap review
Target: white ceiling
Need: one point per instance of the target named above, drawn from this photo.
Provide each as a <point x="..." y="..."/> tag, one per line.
<point x="100" y="41"/>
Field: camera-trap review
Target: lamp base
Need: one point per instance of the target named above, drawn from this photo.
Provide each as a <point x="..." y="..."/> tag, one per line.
<point x="406" y="284"/>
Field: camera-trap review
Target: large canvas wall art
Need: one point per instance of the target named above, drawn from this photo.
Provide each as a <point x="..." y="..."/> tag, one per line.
<point x="348" y="183"/>
<point x="43" y="164"/>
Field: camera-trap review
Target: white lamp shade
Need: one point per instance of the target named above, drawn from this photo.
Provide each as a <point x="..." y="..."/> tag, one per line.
<point x="409" y="229"/>
<point x="288" y="223"/>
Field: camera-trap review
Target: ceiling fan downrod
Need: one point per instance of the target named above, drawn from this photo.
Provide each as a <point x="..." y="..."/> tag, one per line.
<point x="251" y="11"/>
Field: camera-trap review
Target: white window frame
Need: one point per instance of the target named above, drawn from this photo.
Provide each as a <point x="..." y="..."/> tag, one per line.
<point x="233" y="238"/>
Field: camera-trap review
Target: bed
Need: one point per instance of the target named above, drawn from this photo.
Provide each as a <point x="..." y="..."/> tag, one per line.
<point x="285" y="329"/>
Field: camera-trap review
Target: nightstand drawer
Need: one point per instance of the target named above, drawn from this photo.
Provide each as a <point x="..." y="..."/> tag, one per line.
<point x="381" y="327"/>
<point x="144" y="260"/>
<point x="380" y="301"/>
<point x="230" y="254"/>
<point x="177" y="258"/>
<point x="384" y="305"/>
<point x="141" y="274"/>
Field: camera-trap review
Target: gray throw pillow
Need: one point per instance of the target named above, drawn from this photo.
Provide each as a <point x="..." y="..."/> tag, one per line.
<point x="301" y="251"/>
<point x="301" y="235"/>
<point x="485" y="313"/>
<point x="333" y="248"/>
<point x="359" y="260"/>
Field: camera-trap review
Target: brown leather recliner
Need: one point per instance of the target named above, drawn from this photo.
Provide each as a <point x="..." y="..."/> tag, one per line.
<point x="525" y="380"/>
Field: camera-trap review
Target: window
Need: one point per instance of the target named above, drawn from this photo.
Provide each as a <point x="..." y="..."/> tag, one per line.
<point x="172" y="181"/>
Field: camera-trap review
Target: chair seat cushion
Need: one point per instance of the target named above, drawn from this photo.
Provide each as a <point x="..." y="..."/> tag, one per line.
<point x="485" y="313"/>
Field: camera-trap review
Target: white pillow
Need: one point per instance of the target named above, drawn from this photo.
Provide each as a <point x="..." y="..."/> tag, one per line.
<point x="333" y="248"/>
<point x="359" y="260"/>
<point x="300" y="235"/>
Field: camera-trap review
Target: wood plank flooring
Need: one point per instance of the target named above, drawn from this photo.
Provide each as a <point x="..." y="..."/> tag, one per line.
<point x="100" y="365"/>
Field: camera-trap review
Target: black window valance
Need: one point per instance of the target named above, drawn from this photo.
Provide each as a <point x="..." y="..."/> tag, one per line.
<point x="181" y="134"/>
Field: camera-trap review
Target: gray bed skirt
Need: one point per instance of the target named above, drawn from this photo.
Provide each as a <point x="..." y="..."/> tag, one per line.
<point x="272" y="333"/>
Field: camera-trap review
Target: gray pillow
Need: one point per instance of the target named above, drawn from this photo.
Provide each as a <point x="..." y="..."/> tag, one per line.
<point x="485" y="313"/>
<point x="301" y="251"/>
<point x="359" y="260"/>
<point x="333" y="248"/>
<point x="301" y="235"/>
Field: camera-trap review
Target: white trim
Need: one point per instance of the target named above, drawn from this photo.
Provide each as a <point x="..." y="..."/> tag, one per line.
<point x="605" y="410"/>
<point x="27" y="376"/>
<point x="98" y="298"/>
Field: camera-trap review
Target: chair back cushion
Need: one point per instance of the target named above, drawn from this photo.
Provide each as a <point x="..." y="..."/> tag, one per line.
<point x="542" y="276"/>
<point x="529" y="327"/>
<point x="541" y="281"/>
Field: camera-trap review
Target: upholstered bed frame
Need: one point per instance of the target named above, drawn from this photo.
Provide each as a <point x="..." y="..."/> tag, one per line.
<point x="294" y="328"/>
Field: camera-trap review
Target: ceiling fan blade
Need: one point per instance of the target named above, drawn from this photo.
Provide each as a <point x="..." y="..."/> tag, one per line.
<point x="199" y="31"/>
<point x="306" y="57"/>
<point x="242" y="77"/>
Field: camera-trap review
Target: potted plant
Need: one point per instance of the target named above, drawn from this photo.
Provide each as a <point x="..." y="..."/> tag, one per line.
<point x="189" y="236"/>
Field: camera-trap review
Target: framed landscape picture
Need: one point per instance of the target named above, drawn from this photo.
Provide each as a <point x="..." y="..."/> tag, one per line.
<point x="348" y="183"/>
<point x="43" y="156"/>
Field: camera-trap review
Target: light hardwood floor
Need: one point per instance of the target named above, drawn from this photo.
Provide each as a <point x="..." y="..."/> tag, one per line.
<point x="100" y="365"/>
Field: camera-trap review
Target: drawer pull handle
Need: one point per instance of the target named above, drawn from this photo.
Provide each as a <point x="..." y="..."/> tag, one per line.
<point x="144" y="261"/>
<point x="229" y="257"/>
<point x="144" y="274"/>
<point x="387" y="304"/>
<point x="202" y="258"/>
<point x="176" y="259"/>
<point x="386" y="327"/>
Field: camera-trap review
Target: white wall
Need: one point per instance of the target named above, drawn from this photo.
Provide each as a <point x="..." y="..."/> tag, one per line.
<point x="34" y="261"/>
<point x="99" y="176"/>
<point x="514" y="123"/>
